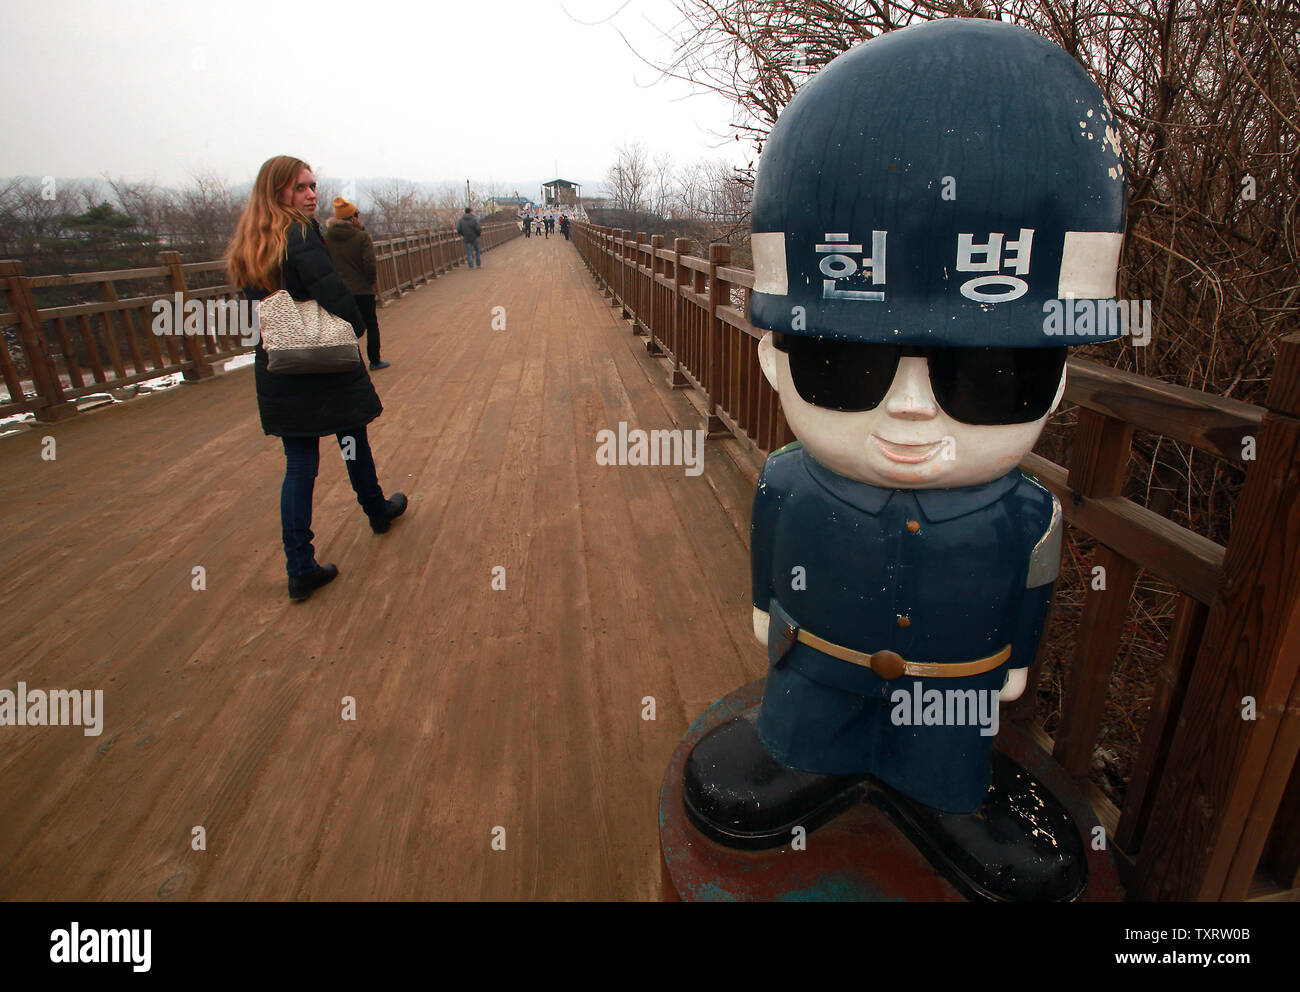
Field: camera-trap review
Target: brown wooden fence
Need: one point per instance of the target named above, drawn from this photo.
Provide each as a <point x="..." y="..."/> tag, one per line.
<point x="51" y="355"/>
<point x="1212" y="810"/>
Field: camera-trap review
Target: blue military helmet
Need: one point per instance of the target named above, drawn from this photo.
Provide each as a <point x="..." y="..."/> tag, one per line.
<point x="940" y="186"/>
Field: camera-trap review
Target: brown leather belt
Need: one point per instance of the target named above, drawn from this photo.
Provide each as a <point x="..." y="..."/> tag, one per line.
<point x="889" y="665"/>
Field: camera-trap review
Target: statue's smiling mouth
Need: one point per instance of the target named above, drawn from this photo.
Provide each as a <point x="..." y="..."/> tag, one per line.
<point x="910" y="454"/>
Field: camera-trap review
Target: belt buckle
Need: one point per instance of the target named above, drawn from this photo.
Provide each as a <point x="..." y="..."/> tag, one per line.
<point x="889" y="665"/>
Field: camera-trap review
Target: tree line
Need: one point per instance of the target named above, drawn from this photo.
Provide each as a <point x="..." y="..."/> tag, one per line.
<point x="56" y="226"/>
<point x="706" y="201"/>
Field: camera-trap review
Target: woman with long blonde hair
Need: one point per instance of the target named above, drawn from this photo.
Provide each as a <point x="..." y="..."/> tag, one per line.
<point x="278" y="244"/>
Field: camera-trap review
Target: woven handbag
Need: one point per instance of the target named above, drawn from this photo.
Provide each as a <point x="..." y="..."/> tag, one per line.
<point x="301" y="337"/>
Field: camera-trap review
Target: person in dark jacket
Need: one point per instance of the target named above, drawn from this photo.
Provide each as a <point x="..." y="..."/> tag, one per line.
<point x="528" y="227"/>
<point x="352" y="251"/>
<point x="277" y="243"/>
<point x="468" y="228"/>
<point x="564" y="226"/>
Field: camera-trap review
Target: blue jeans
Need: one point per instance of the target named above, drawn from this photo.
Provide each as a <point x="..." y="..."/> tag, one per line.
<point x="302" y="460"/>
<point x="472" y="253"/>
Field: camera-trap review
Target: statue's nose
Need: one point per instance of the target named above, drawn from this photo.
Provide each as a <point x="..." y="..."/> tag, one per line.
<point x="909" y="396"/>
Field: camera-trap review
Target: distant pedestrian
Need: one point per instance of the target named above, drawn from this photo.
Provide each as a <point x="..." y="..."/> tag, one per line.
<point x="277" y="244"/>
<point x="352" y="251"/>
<point x="469" y="229"/>
<point x="528" y="227"/>
<point x="564" y="226"/>
<point x="546" y="226"/>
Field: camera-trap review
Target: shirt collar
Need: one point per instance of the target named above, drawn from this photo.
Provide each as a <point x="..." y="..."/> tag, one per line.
<point x="936" y="504"/>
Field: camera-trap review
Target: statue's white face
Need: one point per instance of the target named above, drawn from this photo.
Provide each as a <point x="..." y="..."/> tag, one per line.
<point x="908" y="441"/>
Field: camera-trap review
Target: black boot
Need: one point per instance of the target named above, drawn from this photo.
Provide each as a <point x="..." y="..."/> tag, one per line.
<point x="302" y="586"/>
<point x="737" y="794"/>
<point x="393" y="509"/>
<point x="1021" y="845"/>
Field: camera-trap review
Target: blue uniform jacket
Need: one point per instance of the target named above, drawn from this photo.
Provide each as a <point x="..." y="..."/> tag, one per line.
<point x="840" y="558"/>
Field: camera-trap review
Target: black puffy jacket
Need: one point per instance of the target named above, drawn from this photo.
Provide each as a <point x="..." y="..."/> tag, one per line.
<point x="314" y="405"/>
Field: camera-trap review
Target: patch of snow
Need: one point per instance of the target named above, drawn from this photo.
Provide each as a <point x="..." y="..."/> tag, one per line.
<point x="162" y="382"/>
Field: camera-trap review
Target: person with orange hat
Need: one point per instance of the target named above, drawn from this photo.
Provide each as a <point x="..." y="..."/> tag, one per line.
<point x="352" y="251"/>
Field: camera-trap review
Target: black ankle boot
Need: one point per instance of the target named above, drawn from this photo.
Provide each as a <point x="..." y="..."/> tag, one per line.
<point x="1021" y="845"/>
<point x="302" y="586"/>
<point x="393" y="509"/>
<point x="737" y="794"/>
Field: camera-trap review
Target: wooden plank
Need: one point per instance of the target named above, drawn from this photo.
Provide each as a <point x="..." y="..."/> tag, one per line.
<point x="85" y="278"/>
<point x="1098" y="466"/>
<point x="1226" y="774"/>
<point x="1188" y="561"/>
<point x="108" y="292"/>
<point x="146" y="332"/>
<point x="45" y="377"/>
<point x="113" y="305"/>
<point x="1212" y="423"/>
<point x="1100" y="455"/>
<point x="92" y="348"/>
<point x="1282" y="855"/>
<point x="69" y="357"/>
<point x="196" y="349"/>
<point x="1096" y="647"/>
<point x="737" y="277"/>
<point x="1172" y="678"/>
<point x="10" y="371"/>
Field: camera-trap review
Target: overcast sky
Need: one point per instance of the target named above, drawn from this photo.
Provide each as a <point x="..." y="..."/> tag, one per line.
<point x="501" y="91"/>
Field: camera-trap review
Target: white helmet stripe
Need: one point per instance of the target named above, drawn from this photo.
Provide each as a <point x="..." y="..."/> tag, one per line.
<point x="769" y="263"/>
<point x="1089" y="263"/>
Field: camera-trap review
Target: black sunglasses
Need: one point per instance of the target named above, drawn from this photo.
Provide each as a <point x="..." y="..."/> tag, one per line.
<point x="980" y="386"/>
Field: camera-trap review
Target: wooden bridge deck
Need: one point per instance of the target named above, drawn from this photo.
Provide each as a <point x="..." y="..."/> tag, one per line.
<point x="475" y="708"/>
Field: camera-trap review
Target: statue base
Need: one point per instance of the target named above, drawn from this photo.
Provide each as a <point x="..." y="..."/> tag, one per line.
<point x="860" y="856"/>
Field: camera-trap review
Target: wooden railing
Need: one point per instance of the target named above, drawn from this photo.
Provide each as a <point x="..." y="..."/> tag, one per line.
<point x="1212" y="809"/>
<point x="66" y="352"/>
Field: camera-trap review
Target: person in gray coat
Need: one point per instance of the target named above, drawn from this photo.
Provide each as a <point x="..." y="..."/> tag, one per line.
<point x="469" y="229"/>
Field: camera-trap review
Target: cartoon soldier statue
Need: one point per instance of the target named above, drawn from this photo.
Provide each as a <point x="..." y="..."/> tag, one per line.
<point x="925" y="208"/>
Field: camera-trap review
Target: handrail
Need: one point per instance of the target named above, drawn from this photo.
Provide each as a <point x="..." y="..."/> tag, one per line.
<point x="69" y="351"/>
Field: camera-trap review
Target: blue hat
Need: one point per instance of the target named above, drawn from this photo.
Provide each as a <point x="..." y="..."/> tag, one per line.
<point x="940" y="185"/>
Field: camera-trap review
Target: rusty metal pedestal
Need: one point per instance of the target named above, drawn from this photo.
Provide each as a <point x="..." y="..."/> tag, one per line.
<point x="858" y="856"/>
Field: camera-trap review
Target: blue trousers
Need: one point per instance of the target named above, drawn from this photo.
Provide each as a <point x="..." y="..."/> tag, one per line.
<point x="472" y="253"/>
<point x="302" y="461"/>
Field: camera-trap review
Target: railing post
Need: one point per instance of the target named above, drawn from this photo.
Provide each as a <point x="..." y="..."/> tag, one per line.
<point x="1235" y="749"/>
<point x="656" y="310"/>
<point x="1098" y="467"/>
<point x="606" y="261"/>
<point x="681" y="276"/>
<point x="201" y="369"/>
<point x="381" y="271"/>
<point x="638" y="285"/>
<point x="45" y="375"/>
<point x="623" y="278"/>
<point x="719" y="254"/>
